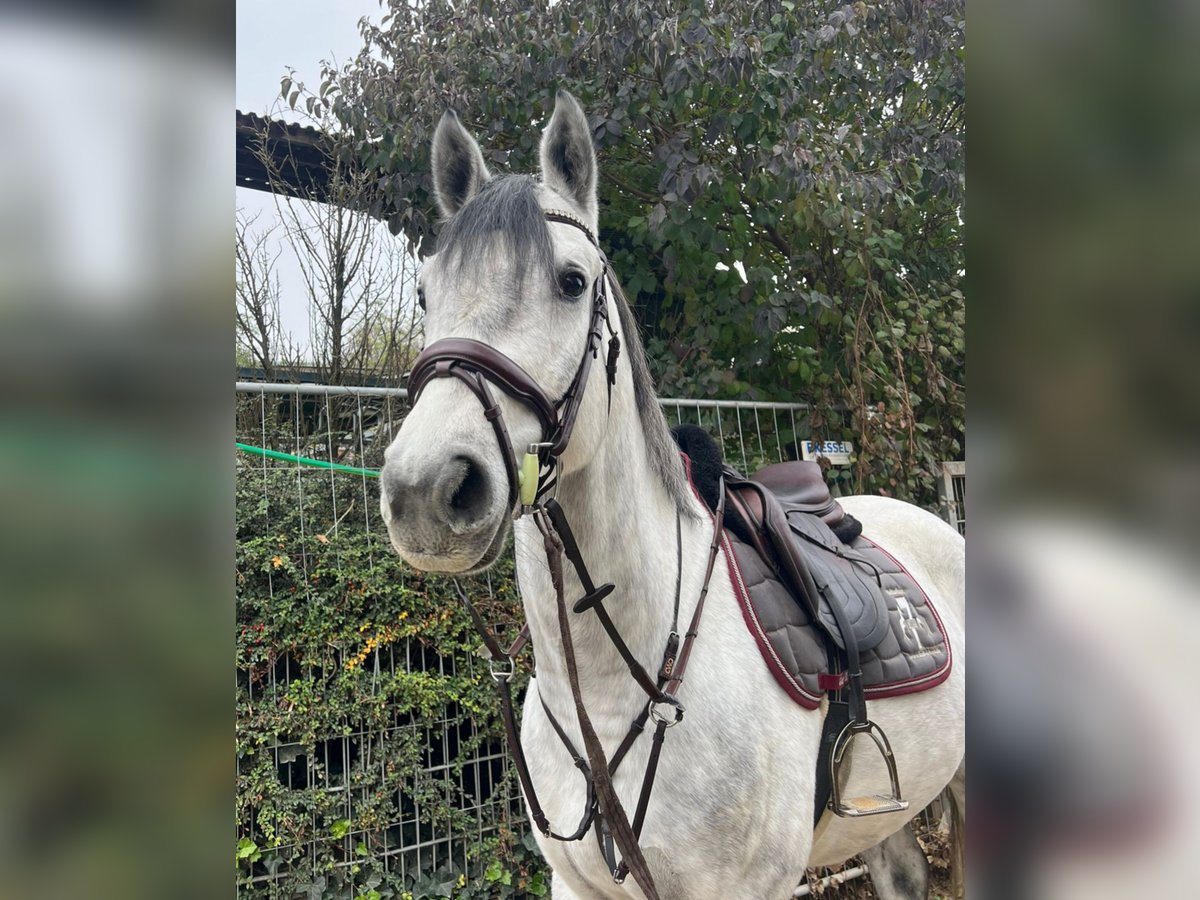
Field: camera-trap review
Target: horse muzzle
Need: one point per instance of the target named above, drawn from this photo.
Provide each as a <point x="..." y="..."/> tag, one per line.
<point x="444" y="493"/>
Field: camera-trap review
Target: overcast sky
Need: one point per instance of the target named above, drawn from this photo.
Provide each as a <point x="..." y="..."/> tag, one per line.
<point x="273" y="35"/>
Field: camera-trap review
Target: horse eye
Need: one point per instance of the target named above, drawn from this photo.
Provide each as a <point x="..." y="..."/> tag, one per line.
<point x="421" y="297"/>
<point x="572" y="283"/>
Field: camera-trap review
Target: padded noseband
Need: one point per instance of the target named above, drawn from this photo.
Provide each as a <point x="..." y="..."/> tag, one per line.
<point x="437" y="360"/>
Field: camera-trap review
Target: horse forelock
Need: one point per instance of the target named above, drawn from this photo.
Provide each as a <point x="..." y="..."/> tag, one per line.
<point x="504" y="216"/>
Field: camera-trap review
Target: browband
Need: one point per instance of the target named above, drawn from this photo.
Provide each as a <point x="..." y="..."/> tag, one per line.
<point x="565" y="218"/>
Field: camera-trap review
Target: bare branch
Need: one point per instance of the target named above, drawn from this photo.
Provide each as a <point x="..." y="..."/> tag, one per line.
<point x="355" y="278"/>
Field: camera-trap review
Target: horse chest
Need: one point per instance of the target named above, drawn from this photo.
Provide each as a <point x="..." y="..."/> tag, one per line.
<point x="729" y="804"/>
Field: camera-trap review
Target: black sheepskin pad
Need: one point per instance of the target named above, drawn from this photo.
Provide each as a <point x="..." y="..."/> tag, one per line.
<point x="707" y="461"/>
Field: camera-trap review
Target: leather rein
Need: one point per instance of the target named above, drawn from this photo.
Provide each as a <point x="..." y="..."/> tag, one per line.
<point x="532" y="484"/>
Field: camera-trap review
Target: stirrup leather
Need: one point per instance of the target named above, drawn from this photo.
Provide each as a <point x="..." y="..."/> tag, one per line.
<point x="868" y="804"/>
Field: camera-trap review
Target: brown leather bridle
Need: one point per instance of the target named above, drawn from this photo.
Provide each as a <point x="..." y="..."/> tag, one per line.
<point x="477" y="365"/>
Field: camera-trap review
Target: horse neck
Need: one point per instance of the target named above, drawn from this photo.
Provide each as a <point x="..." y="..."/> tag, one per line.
<point x="624" y="522"/>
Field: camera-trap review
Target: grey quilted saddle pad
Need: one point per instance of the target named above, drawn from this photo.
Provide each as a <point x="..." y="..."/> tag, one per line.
<point x="913" y="655"/>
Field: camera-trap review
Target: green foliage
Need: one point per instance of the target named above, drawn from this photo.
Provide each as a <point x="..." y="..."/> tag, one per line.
<point x="343" y="650"/>
<point x="817" y="146"/>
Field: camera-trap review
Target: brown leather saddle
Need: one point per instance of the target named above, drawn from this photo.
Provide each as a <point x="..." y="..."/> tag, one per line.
<point x="790" y="517"/>
<point x="791" y="514"/>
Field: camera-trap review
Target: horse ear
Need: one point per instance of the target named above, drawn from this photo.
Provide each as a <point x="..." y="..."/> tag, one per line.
<point x="568" y="159"/>
<point x="458" y="167"/>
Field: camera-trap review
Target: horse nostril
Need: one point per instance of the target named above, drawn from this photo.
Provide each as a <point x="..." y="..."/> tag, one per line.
<point x="469" y="490"/>
<point x="392" y="494"/>
<point x="466" y="491"/>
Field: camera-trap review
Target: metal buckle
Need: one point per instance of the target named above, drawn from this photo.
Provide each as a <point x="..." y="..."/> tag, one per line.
<point x="670" y="656"/>
<point x="670" y="701"/>
<point x="501" y="675"/>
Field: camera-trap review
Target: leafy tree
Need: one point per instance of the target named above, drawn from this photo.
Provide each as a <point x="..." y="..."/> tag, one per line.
<point x="782" y="186"/>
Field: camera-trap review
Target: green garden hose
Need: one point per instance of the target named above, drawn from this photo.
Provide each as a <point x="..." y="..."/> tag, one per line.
<point x="305" y="461"/>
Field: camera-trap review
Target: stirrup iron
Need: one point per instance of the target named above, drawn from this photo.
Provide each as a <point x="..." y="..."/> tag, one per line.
<point x="868" y="804"/>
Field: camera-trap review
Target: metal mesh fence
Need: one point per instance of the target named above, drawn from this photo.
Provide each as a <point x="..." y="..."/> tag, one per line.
<point x="461" y="767"/>
<point x="349" y="765"/>
<point x="462" y="794"/>
<point x="354" y="425"/>
<point x="953" y="490"/>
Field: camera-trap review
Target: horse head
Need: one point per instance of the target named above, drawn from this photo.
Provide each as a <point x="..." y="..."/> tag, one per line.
<point x="516" y="307"/>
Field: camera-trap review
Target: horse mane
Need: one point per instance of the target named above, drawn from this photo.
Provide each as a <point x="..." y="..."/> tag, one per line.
<point x="660" y="445"/>
<point x="507" y="208"/>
